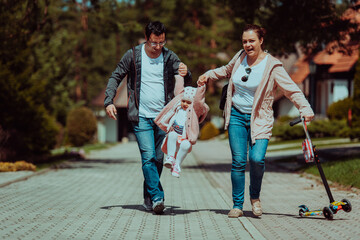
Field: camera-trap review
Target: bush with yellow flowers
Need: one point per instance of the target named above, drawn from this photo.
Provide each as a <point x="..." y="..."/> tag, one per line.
<point x="16" y="166"/>
<point x="208" y="131"/>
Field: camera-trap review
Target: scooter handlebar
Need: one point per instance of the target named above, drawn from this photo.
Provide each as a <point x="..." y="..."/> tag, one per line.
<point x="294" y="122"/>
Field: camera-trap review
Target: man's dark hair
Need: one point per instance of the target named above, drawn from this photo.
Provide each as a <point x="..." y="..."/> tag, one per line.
<point x="156" y="28"/>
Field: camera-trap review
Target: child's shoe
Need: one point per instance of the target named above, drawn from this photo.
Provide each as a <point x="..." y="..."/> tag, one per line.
<point x="169" y="162"/>
<point x="176" y="171"/>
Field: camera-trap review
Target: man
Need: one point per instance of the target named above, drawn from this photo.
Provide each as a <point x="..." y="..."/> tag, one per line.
<point x="151" y="69"/>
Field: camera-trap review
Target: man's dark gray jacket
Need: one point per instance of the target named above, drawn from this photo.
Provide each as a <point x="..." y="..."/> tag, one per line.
<point x="127" y="66"/>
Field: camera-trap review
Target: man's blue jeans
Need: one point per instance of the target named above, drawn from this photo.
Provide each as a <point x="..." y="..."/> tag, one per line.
<point x="240" y="144"/>
<point x="149" y="138"/>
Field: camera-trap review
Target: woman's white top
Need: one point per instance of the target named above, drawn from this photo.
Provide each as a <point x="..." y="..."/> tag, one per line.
<point x="243" y="97"/>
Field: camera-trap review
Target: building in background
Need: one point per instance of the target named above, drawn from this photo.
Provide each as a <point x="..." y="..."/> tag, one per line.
<point x="110" y="130"/>
<point x="326" y="77"/>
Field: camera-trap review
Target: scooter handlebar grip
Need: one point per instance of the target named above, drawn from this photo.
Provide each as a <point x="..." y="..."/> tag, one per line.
<point x="294" y="122"/>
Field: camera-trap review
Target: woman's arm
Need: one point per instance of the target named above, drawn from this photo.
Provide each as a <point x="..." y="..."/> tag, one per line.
<point x="199" y="98"/>
<point x="219" y="73"/>
<point x="293" y="93"/>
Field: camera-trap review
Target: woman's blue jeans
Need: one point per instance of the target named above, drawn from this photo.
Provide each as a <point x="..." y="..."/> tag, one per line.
<point x="240" y="144"/>
<point x="149" y="138"/>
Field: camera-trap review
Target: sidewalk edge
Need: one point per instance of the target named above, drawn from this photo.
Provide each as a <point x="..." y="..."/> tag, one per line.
<point x="25" y="177"/>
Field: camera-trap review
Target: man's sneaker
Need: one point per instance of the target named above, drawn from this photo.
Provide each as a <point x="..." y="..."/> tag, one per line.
<point x="256" y="207"/>
<point x="169" y="161"/>
<point x="147" y="204"/>
<point x="158" y="207"/>
<point x="176" y="171"/>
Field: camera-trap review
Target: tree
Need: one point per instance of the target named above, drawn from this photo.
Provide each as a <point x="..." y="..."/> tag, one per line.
<point x="313" y="24"/>
<point x="57" y="55"/>
<point x="24" y="117"/>
<point x="355" y="124"/>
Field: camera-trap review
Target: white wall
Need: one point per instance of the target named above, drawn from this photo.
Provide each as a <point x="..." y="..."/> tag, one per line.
<point x="287" y="108"/>
<point x="111" y="130"/>
<point x="101" y="132"/>
<point x="340" y="90"/>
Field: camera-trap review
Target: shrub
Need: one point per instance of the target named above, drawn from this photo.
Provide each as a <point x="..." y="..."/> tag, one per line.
<point x="339" y="109"/>
<point x="318" y="128"/>
<point x="17" y="166"/>
<point x="284" y="119"/>
<point x="24" y="166"/>
<point x="34" y="136"/>
<point x="81" y="126"/>
<point x="285" y="132"/>
<point x="208" y="131"/>
<point x="328" y="128"/>
<point x="354" y="133"/>
<point x="7" y="167"/>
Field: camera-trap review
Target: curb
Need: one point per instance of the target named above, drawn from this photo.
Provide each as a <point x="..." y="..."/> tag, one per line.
<point x="26" y="177"/>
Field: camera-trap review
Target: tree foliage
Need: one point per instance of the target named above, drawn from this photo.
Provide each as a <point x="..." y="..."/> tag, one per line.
<point x="355" y="125"/>
<point x="24" y="115"/>
<point x="339" y="110"/>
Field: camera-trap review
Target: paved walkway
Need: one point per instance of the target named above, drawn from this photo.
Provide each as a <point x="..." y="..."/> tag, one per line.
<point x="101" y="197"/>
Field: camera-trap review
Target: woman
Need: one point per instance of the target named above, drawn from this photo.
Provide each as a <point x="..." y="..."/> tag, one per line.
<point x="253" y="77"/>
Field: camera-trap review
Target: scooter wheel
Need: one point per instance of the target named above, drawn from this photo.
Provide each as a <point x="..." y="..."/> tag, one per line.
<point x="301" y="212"/>
<point x="347" y="207"/>
<point x="328" y="213"/>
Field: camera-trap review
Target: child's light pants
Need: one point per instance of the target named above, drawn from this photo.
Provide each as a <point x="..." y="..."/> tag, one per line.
<point x="181" y="148"/>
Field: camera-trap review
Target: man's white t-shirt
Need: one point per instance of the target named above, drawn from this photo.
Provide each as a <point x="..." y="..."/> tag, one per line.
<point x="243" y="97"/>
<point x="152" y="93"/>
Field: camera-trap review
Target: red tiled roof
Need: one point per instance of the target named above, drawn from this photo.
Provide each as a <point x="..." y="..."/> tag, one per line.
<point x="345" y="63"/>
<point x="340" y="62"/>
<point x="302" y="70"/>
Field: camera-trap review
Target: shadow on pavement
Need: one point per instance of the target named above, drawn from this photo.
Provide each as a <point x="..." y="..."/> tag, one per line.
<point x="214" y="167"/>
<point x="89" y="163"/>
<point x="169" y="210"/>
<point x="226" y="167"/>
<point x="175" y="210"/>
<point x="112" y="161"/>
<point x="338" y="153"/>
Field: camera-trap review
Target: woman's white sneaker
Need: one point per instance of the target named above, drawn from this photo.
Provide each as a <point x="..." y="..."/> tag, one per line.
<point x="256" y="207"/>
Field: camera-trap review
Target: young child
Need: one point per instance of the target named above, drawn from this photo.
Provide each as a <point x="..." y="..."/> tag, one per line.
<point x="180" y="118"/>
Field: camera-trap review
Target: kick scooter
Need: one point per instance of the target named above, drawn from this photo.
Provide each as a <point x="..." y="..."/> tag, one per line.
<point x="311" y="156"/>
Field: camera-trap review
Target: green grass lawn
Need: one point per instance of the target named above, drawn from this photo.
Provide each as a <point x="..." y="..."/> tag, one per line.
<point x="58" y="155"/>
<point x="97" y="146"/>
<point x="87" y="148"/>
<point x="345" y="172"/>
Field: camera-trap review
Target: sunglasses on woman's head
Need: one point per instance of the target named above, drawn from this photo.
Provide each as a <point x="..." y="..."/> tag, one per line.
<point x="246" y="77"/>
